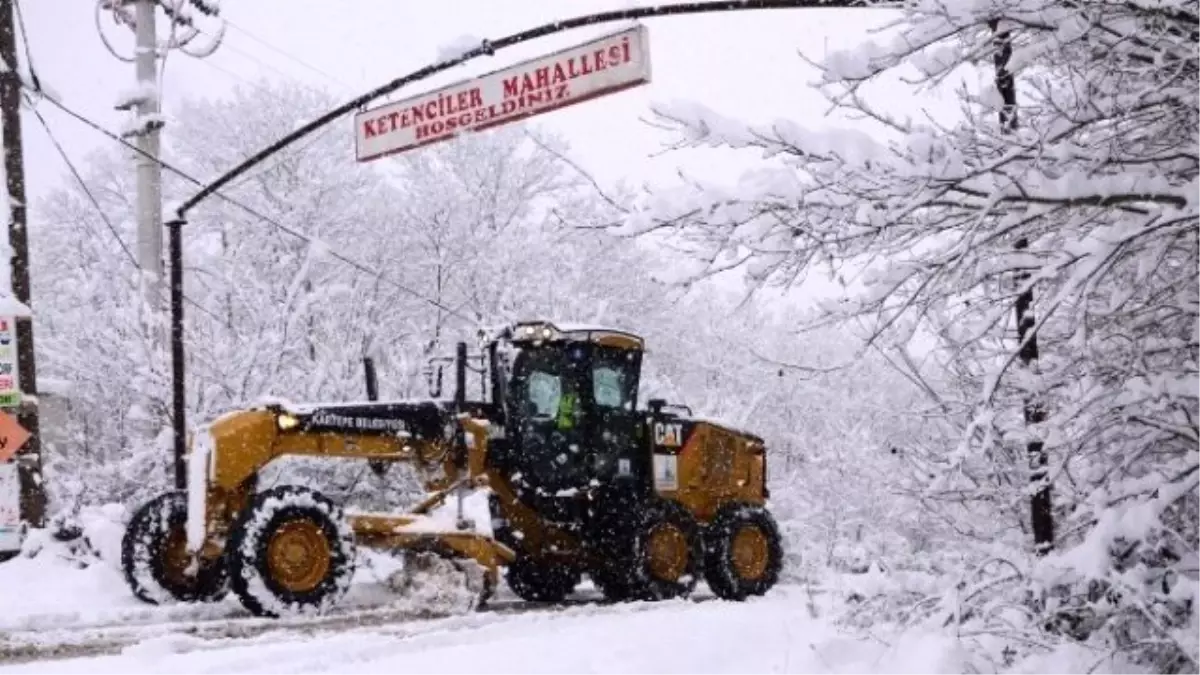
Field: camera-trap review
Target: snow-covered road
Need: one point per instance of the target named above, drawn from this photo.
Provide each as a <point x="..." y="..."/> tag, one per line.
<point x="57" y="615"/>
<point x="772" y="634"/>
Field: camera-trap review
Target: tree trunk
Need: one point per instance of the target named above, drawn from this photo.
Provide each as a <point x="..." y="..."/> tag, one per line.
<point x="1041" y="513"/>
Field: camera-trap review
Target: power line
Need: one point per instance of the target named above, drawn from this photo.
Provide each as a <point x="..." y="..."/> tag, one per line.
<point x="96" y="202"/>
<point x="288" y="55"/>
<point x="230" y="73"/>
<point x="259" y="215"/>
<point x="311" y="142"/>
<point x="78" y="178"/>
<point x="257" y="60"/>
<point x="243" y="79"/>
<point x="25" y="40"/>
<point x="265" y="64"/>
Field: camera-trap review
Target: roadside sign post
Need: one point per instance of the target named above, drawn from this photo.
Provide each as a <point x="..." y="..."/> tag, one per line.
<point x="597" y="68"/>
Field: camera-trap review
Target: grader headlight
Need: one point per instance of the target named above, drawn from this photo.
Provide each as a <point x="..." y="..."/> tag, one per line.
<point x="287" y="421"/>
<point x="535" y="331"/>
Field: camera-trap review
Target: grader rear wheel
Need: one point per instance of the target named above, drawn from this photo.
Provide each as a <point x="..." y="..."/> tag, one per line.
<point x="743" y="552"/>
<point x="291" y="552"/>
<point x="155" y="561"/>
<point x="657" y="558"/>
<point x="668" y="551"/>
<point x="751" y="552"/>
<point x="538" y="581"/>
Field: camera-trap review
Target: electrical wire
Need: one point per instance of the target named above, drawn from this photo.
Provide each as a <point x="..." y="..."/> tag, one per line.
<point x="308" y="144"/>
<point x="96" y="202"/>
<point x="25" y="40"/>
<point x="250" y="56"/>
<point x="250" y="210"/>
<point x="62" y="152"/>
<point x="79" y="179"/>
<point x="288" y="55"/>
<point x="259" y="215"/>
<point x="118" y="18"/>
<point x="240" y="78"/>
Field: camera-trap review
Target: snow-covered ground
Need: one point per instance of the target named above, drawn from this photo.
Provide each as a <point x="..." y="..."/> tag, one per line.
<point x="773" y="634"/>
<point x="73" y="613"/>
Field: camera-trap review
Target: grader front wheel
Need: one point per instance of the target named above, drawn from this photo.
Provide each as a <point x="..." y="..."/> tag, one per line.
<point x="155" y="560"/>
<point x="291" y="552"/>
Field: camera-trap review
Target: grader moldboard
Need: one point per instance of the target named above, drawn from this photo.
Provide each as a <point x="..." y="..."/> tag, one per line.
<point x="644" y="502"/>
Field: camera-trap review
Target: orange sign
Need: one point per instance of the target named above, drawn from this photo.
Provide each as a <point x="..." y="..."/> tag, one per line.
<point x="12" y="436"/>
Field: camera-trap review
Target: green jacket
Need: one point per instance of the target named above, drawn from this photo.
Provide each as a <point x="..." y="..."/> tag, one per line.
<point x="566" y="411"/>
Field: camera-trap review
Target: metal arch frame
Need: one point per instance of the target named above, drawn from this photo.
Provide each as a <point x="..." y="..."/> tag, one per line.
<point x="486" y="48"/>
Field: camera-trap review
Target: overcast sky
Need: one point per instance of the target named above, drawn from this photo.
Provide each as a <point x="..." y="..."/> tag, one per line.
<point x="744" y="64"/>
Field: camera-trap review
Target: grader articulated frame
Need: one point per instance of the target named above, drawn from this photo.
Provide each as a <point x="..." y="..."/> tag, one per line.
<point x="581" y="481"/>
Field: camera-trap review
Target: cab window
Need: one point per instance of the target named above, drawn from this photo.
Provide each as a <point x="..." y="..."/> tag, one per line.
<point x="609" y="387"/>
<point x="545" y="392"/>
<point x="614" y="379"/>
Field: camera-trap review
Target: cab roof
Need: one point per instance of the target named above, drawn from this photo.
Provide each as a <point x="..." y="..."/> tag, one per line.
<point x="546" y="331"/>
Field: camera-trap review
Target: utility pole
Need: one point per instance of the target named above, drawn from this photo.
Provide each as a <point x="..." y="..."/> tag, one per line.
<point x="149" y="171"/>
<point x="141" y="16"/>
<point x="29" y="458"/>
<point x="146" y="103"/>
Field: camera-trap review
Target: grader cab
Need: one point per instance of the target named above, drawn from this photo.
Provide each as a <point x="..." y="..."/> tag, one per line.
<point x="580" y="481"/>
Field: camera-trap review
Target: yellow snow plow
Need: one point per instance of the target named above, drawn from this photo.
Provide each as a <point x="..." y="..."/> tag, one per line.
<point x="579" y="481"/>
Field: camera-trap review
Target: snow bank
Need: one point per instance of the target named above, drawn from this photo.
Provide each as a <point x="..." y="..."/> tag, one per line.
<point x="876" y="582"/>
<point x="54" y="583"/>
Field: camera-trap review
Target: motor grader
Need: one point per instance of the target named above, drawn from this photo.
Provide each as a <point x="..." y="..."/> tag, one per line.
<point x="579" y="480"/>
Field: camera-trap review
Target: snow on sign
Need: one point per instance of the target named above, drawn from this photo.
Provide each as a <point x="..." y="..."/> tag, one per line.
<point x="604" y="66"/>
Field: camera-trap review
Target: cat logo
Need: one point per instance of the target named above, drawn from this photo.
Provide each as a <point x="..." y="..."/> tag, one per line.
<point x="668" y="434"/>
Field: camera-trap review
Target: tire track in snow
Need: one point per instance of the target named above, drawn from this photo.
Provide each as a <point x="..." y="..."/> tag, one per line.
<point x="216" y="633"/>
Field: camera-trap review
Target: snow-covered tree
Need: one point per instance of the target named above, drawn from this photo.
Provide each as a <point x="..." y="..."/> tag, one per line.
<point x="1076" y="181"/>
<point x="351" y="262"/>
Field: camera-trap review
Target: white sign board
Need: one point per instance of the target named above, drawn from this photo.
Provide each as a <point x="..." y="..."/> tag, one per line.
<point x="10" y="387"/>
<point x="10" y="508"/>
<point x="666" y="472"/>
<point x="604" y="66"/>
